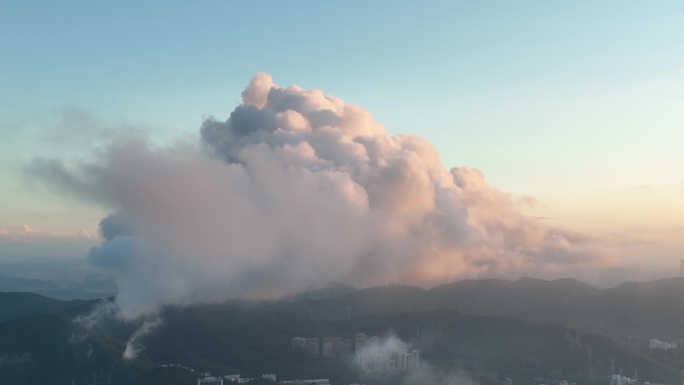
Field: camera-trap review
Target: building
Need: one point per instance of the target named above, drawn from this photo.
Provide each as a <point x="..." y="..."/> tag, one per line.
<point x="209" y="380"/>
<point x="618" y="379"/>
<point x="415" y="355"/>
<point x="327" y="349"/>
<point x="232" y="378"/>
<point x="409" y="360"/>
<point x="359" y="340"/>
<point x="331" y="339"/>
<point x="406" y="361"/>
<point x="657" y="344"/>
<point x="384" y="360"/>
<point x="320" y="381"/>
<point x="335" y="347"/>
<point x="270" y="376"/>
<point x="310" y="344"/>
<point x="298" y="343"/>
<point x="328" y="346"/>
<point x="341" y="349"/>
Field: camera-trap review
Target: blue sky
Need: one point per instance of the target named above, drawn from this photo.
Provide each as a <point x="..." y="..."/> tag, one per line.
<point x="566" y="101"/>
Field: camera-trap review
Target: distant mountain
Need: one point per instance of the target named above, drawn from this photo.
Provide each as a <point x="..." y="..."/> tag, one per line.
<point x="326" y="292"/>
<point x="638" y="309"/>
<point x="645" y="310"/>
<point x="14" y="305"/>
<point x="91" y="286"/>
<point x="13" y="284"/>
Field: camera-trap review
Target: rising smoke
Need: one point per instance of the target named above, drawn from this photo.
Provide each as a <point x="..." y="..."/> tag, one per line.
<point x="384" y="355"/>
<point x="133" y="345"/>
<point x="297" y="189"/>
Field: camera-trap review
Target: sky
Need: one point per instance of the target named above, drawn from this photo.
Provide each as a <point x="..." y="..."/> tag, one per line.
<point x="576" y="104"/>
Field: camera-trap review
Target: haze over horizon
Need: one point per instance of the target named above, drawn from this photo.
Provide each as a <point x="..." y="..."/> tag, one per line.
<point x="563" y="124"/>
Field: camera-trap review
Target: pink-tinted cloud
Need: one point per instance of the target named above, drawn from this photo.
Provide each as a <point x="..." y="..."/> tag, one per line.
<point x="29" y="233"/>
<point x="297" y="189"/>
<point x="22" y="232"/>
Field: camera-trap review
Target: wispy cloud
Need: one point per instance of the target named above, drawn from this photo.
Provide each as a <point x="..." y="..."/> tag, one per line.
<point x="26" y="232"/>
<point x="23" y="232"/>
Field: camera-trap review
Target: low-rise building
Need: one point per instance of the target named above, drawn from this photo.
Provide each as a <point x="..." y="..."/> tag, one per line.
<point x="657" y="344"/>
<point x="320" y="381"/>
<point x="209" y="380"/>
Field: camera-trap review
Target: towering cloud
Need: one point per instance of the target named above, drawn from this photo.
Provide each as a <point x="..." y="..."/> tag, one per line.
<point x="294" y="190"/>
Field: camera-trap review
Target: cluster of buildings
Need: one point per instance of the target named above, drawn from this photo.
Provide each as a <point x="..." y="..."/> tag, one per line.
<point x="208" y="379"/>
<point x="229" y="379"/>
<point x="542" y="381"/>
<point x="370" y="354"/>
<point x="310" y="344"/>
<point x="320" y="381"/>
<point x="236" y="379"/>
<point x="619" y="379"/>
<point x="388" y="359"/>
<point x="657" y="344"/>
<point x="331" y="347"/>
<point x="334" y="347"/>
<point x="177" y="366"/>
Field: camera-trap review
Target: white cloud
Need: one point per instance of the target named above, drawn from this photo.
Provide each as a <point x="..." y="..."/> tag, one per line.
<point x="294" y="190"/>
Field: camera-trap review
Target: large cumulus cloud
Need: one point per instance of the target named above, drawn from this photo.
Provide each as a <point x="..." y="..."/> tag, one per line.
<point x="296" y="189"/>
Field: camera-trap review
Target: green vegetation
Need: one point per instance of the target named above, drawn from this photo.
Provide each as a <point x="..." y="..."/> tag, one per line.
<point x="636" y="309"/>
<point x="39" y="342"/>
<point x="14" y="305"/>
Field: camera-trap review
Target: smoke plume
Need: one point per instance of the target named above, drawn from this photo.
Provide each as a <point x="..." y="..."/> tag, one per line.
<point x="383" y="355"/>
<point x="294" y="190"/>
<point x="133" y="345"/>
